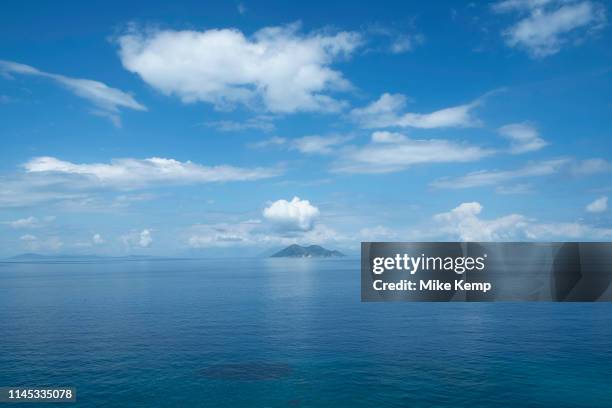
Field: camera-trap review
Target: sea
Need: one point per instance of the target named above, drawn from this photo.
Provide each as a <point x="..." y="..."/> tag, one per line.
<point x="285" y="333"/>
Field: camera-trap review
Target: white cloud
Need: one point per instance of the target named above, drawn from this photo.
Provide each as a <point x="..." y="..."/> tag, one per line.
<point x="389" y="111"/>
<point x="132" y="173"/>
<point x="566" y="231"/>
<point x="314" y="144"/>
<point x="494" y="177"/>
<point x="107" y="101"/>
<point x="522" y="188"/>
<point x="518" y="5"/>
<point x="263" y="123"/>
<point x="255" y="233"/>
<point x="317" y="144"/>
<point x="378" y="233"/>
<point x="146" y="239"/>
<point x="277" y="67"/>
<point x="464" y="223"/>
<point x="545" y="26"/>
<point x="296" y="214"/>
<point x="405" y="43"/>
<point x="27" y="196"/>
<point x="242" y="9"/>
<point x="33" y="243"/>
<point x="590" y="166"/>
<point x="523" y="137"/>
<point x="396" y="40"/>
<point x="223" y="234"/>
<point x="271" y="142"/>
<point x="391" y="152"/>
<point x="97" y="239"/>
<point x="30" y="222"/>
<point x="598" y="206"/>
<point x="142" y="239"/>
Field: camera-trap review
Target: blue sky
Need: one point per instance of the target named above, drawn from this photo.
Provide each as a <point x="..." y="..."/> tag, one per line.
<point x="224" y="128"/>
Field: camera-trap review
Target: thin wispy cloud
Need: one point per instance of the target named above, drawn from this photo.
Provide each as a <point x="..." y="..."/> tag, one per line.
<point x="591" y="166"/>
<point x="390" y="152"/>
<point x="495" y="177"/>
<point x="133" y="173"/>
<point x="262" y="123"/>
<point x="278" y="69"/>
<point x="314" y="144"/>
<point x="523" y="137"/>
<point x="106" y="101"/>
<point x="31" y="222"/>
<point x="253" y="233"/>
<point x="545" y="26"/>
<point x="390" y="111"/>
<point x="396" y="40"/>
<point x="41" y="244"/>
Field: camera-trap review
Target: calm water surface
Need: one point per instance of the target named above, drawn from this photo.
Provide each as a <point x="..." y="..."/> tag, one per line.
<point x="287" y="333"/>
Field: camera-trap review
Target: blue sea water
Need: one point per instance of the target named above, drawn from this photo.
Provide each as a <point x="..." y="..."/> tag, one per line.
<point x="287" y="333"/>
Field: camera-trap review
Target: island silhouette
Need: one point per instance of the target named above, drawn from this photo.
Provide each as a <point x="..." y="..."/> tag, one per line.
<point x="312" y="251"/>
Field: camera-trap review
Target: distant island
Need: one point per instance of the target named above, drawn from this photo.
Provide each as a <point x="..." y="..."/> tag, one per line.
<point x="312" y="251"/>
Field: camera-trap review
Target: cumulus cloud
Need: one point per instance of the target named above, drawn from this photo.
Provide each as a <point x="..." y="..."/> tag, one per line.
<point x="296" y="214"/>
<point x="107" y="101"/>
<point x="545" y="26"/>
<point x="145" y="239"/>
<point x="523" y="137"/>
<point x="391" y="152"/>
<point x="389" y="111"/>
<point x="142" y="239"/>
<point x="278" y="68"/>
<point x="132" y="173"/>
<point x="464" y="223"/>
<point x="97" y="239"/>
<point x="598" y="206"/>
<point x="494" y="177"/>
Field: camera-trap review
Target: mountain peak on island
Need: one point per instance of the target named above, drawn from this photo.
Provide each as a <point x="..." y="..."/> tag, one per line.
<point x="312" y="251"/>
